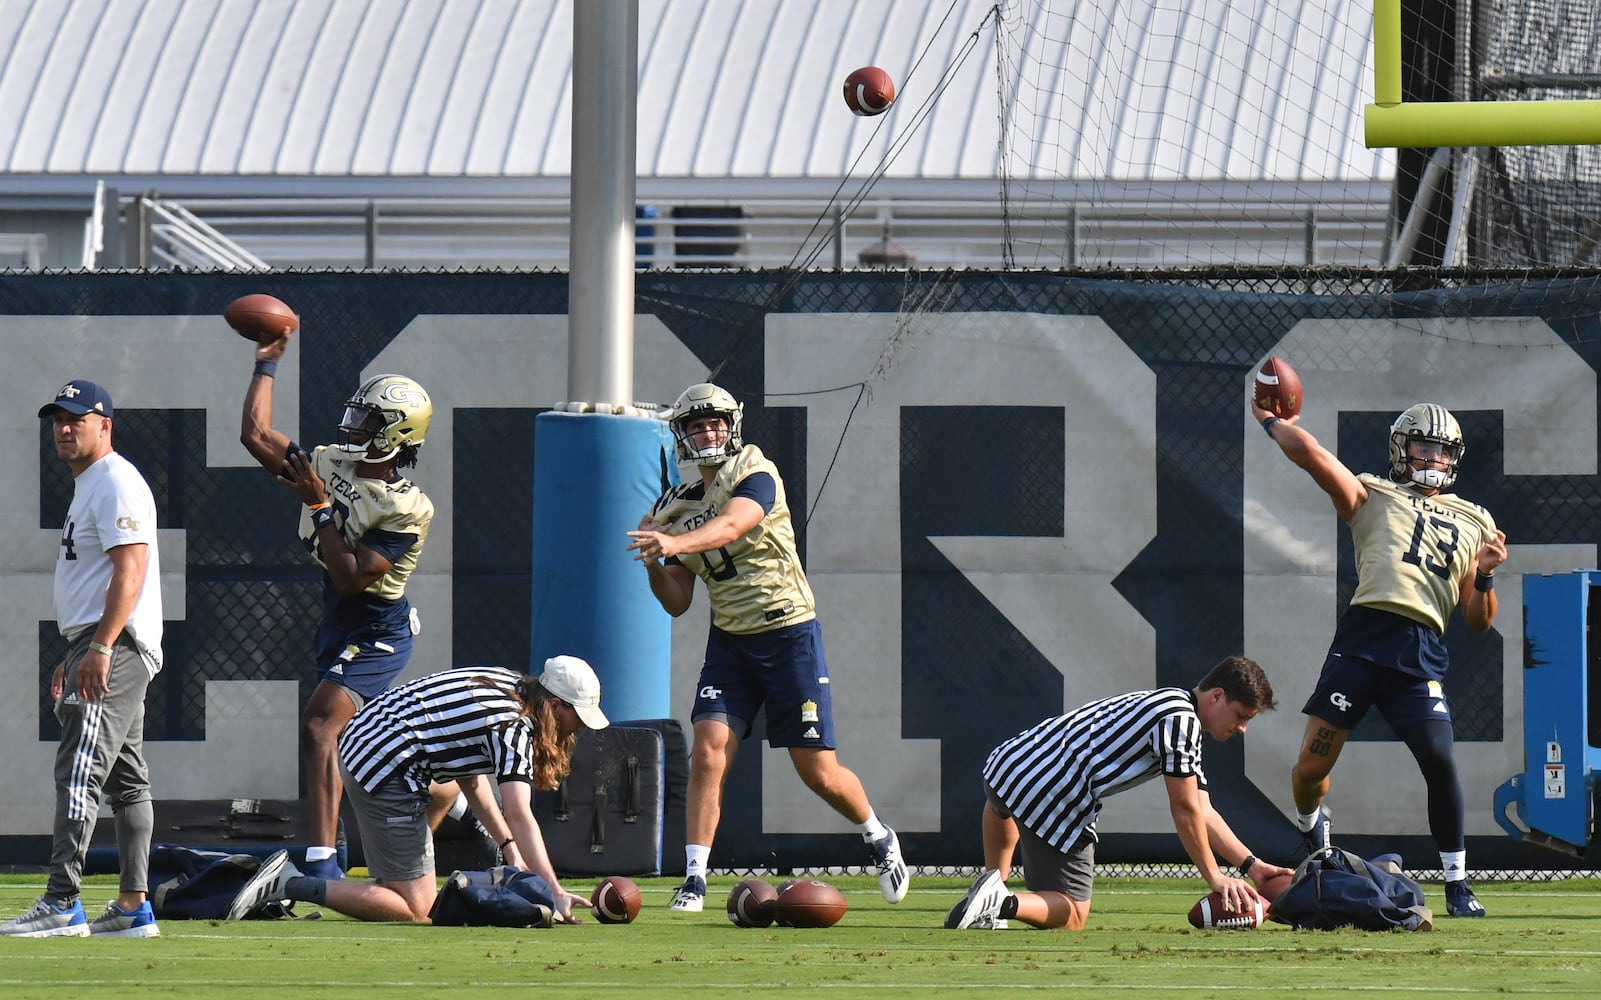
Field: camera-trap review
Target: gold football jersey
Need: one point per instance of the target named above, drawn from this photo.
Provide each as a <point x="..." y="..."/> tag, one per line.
<point x="756" y="583"/>
<point x="1413" y="552"/>
<point x="362" y="505"/>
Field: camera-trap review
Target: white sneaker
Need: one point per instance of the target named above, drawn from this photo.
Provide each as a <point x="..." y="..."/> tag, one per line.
<point x="46" y="919"/>
<point x="266" y="886"/>
<point x="117" y="922"/>
<point x="893" y="880"/>
<point x="689" y="897"/>
<point x="981" y="907"/>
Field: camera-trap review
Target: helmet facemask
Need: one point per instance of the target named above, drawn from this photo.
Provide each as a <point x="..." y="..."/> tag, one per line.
<point x="1425" y="425"/>
<point x="389" y="413"/>
<point x="699" y="402"/>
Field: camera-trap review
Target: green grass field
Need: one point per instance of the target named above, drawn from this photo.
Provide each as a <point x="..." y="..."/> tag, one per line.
<point x="1540" y="939"/>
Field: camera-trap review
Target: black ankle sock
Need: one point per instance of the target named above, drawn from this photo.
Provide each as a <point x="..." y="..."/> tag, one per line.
<point x="1008" y="907"/>
<point x="307" y="890"/>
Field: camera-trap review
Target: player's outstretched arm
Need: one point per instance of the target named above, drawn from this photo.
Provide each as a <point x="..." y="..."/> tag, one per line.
<point x="256" y="433"/>
<point x="1300" y="447"/>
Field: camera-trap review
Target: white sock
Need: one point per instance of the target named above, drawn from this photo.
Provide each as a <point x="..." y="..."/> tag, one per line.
<point x="695" y="858"/>
<point x="319" y="854"/>
<point x="873" y="828"/>
<point x="1455" y="864"/>
<point x="1305" y="821"/>
<point x="458" y="808"/>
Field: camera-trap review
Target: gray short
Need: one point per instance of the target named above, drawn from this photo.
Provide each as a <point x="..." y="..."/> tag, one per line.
<point x="394" y="829"/>
<point x="1046" y="869"/>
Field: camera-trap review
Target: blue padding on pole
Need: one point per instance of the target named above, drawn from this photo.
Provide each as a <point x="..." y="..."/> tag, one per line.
<point x="595" y="476"/>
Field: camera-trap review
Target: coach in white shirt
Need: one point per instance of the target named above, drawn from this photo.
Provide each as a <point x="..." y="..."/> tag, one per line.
<point x="108" y="606"/>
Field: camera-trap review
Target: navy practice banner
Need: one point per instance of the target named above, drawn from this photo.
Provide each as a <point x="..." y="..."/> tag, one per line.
<point x="1014" y="493"/>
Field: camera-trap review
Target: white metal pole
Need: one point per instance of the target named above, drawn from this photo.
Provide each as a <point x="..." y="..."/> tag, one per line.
<point x="600" y="356"/>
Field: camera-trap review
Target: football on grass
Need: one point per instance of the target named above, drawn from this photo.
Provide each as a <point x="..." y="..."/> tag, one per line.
<point x="1273" y="888"/>
<point x="615" y="900"/>
<point x="1278" y="388"/>
<point x="260" y="317"/>
<point x="1208" y="912"/>
<point x="809" y="903"/>
<point x="751" y="904"/>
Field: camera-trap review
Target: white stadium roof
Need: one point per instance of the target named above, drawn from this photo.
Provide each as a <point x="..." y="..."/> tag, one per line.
<point x="315" y="97"/>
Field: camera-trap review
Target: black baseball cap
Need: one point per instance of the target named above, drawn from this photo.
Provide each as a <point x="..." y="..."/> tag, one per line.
<point x="79" y="396"/>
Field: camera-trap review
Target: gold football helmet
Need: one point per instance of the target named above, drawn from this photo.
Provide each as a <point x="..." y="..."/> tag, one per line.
<point x="391" y="412"/>
<point x="1425" y="422"/>
<point x="706" y="400"/>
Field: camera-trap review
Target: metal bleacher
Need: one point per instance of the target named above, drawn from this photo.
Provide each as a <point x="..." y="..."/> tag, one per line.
<point x="1148" y="225"/>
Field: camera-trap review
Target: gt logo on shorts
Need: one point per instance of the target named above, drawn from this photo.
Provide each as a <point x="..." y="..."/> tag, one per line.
<point x="711" y="693"/>
<point x="1340" y="701"/>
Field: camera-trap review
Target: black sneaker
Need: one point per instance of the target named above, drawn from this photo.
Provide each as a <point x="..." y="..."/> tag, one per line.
<point x="1320" y="836"/>
<point x="1460" y="901"/>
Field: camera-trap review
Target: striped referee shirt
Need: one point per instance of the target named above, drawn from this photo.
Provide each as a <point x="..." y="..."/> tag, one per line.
<point x="1053" y="777"/>
<point x="457" y="722"/>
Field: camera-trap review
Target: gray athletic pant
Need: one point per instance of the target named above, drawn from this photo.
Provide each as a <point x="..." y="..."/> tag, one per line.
<point x="102" y="753"/>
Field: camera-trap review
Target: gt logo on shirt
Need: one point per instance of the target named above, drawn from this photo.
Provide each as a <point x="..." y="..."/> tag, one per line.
<point x="711" y="693"/>
<point x="1340" y="701"/>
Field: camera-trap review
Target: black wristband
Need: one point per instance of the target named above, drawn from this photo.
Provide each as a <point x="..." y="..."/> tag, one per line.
<point x="1483" y="582"/>
<point x="321" y="516"/>
<point x="503" y="843"/>
<point x="267" y="368"/>
<point x="1245" y="866"/>
<point x="1267" y="425"/>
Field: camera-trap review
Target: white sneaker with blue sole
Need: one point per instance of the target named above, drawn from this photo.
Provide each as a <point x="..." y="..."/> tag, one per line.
<point x="48" y="919"/>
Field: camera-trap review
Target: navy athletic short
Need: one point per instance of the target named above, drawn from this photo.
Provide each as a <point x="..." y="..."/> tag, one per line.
<point x="783" y="670"/>
<point x="1350" y="685"/>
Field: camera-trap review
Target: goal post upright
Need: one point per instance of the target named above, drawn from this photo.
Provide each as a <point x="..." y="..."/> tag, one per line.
<point x="1392" y="122"/>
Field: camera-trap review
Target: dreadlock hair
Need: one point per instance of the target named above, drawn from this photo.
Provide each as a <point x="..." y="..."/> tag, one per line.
<point x="406" y="457"/>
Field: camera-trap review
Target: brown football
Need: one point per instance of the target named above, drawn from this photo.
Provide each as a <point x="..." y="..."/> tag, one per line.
<point x="810" y="903"/>
<point x="751" y="903"/>
<point x="1208" y="912"/>
<point x="615" y="900"/>
<point x="869" y="91"/>
<point x="1278" y="388"/>
<point x="260" y="317"/>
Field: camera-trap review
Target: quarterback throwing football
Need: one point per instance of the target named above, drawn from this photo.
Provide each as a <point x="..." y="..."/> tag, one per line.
<point x="1420" y="552"/>
<point x="730" y="526"/>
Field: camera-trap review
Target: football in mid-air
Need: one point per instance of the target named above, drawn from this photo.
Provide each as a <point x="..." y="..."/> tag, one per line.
<point x="751" y="903"/>
<point x="869" y="91"/>
<point x="260" y="317"/>
<point x="615" y="900"/>
<point x="1208" y="912"/>
<point x="1278" y="388"/>
<point x="810" y="903"/>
